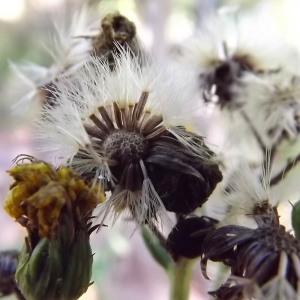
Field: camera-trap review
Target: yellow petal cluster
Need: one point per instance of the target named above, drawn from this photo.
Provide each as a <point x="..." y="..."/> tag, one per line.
<point x="40" y="194"/>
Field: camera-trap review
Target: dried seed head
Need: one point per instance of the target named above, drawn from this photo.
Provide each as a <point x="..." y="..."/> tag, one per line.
<point x="249" y="193"/>
<point x="125" y="147"/>
<point x="126" y="129"/>
<point x="70" y="51"/>
<point x="222" y="79"/>
<point x="265" y="256"/>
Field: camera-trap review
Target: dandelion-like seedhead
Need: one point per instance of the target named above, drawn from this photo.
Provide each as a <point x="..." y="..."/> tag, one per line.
<point x="227" y="47"/>
<point x="73" y="47"/>
<point x="133" y="130"/>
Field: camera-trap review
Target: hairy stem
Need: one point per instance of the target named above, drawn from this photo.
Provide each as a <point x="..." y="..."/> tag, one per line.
<point x="181" y="279"/>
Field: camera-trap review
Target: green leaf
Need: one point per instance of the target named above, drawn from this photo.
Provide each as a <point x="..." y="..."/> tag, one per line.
<point x="296" y="219"/>
<point x="158" y="252"/>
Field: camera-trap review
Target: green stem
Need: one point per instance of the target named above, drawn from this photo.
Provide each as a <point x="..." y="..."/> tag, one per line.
<point x="181" y="279"/>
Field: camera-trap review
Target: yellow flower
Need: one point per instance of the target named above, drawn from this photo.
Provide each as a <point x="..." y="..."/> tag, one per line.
<point x="40" y="194"/>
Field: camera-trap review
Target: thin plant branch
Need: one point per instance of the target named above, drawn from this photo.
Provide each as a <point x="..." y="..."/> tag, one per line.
<point x="181" y="279"/>
<point x="268" y="158"/>
<point x="161" y="238"/>
<point x="290" y="165"/>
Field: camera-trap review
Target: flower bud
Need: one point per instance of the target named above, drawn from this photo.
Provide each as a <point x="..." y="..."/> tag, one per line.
<point x="55" y="207"/>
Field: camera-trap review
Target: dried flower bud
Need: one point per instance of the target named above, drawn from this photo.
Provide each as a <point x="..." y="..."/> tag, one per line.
<point x="55" y="207"/>
<point x="187" y="236"/>
<point x="268" y="257"/>
<point x="115" y="29"/>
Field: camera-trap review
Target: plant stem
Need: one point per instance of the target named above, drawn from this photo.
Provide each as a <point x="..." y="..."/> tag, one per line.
<point x="181" y="279"/>
<point x="289" y="166"/>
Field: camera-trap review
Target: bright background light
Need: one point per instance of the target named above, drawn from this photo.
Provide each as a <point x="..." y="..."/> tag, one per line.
<point x="11" y="10"/>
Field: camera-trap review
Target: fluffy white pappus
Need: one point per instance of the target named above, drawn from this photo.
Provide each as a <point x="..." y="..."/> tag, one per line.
<point x="29" y="78"/>
<point x="170" y="94"/>
<point x="233" y="139"/>
<point x="272" y="104"/>
<point x="71" y="48"/>
<point x="61" y="135"/>
<point x="249" y="190"/>
<point x="144" y="206"/>
<point x="72" y="43"/>
<point x="240" y="36"/>
<point x="171" y="88"/>
<point x="64" y="139"/>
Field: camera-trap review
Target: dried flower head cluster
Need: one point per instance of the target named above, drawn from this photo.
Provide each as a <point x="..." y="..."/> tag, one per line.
<point x="263" y="257"/>
<point x="122" y="133"/>
<point x="112" y="121"/>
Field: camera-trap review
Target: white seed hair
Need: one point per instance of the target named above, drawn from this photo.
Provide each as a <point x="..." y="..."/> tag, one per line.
<point x="70" y="50"/>
<point x="227" y="35"/>
<point x="247" y="191"/>
<point x="96" y="86"/>
<point x="273" y="103"/>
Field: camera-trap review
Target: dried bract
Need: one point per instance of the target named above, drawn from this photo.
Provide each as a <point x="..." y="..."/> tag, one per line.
<point x="268" y="256"/>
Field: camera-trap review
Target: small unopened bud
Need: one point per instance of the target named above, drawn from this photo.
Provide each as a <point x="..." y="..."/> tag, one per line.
<point x="59" y="268"/>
